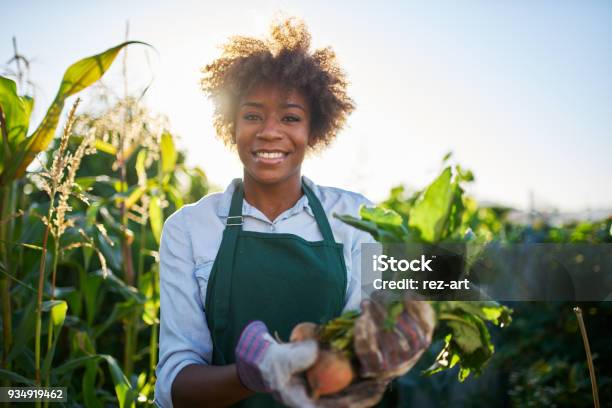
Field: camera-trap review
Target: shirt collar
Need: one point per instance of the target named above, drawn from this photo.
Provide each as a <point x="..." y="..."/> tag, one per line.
<point x="248" y="210"/>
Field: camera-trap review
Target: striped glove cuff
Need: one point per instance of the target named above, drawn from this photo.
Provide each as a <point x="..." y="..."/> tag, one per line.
<point x="249" y="352"/>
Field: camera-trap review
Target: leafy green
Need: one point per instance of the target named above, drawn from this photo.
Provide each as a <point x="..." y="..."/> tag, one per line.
<point x="436" y="214"/>
<point x="469" y="342"/>
<point x="432" y="216"/>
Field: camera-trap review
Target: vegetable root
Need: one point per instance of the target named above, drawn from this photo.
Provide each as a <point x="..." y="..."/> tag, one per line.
<point x="304" y="331"/>
<point x="332" y="372"/>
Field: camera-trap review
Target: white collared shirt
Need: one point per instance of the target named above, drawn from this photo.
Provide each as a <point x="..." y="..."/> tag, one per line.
<point x="190" y="241"/>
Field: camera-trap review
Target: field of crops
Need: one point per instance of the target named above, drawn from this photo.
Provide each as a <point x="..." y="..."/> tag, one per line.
<point x="80" y="230"/>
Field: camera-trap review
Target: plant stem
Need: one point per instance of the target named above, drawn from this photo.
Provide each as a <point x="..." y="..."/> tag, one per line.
<point x="6" y="320"/>
<point x="125" y="244"/>
<point x="5" y="141"/>
<point x="41" y="284"/>
<point x="140" y="270"/>
<point x="126" y="251"/>
<point x="50" y="327"/>
<point x="589" y="357"/>
<point x="153" y="342"/>
<point x="5" y="288"/>
<point x="141" y="256"/>
<point x="5" y="236"/>
<point x="154" y="328"/>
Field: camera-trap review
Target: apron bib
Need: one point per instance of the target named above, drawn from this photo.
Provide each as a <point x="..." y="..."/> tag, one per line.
<point x="280" y="279"/>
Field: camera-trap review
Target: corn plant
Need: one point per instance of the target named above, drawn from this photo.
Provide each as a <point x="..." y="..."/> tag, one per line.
<point x="20" y="364"/>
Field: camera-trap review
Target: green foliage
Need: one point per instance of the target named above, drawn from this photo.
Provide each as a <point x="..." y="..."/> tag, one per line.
<point x="16" y="110"/>
<point x="469" y="342"/>
<point x="540" y="356"/>
<point x="429" y="216"/>
<point x="136" y="179"/>
<point x="338" y="332"/>
<point x="437" y="211"/>
<point x="24" y="149"/>
<point x="435" y="215"/>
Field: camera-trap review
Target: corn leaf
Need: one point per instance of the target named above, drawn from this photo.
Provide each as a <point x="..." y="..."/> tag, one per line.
<point x="105" y="147"/>
<point x="141" y="170"/>
<point x="89" y="385"/>
<point x="25" y="331"/>
<point x="148" y="289"/>
<point x="127" y="291"/>
<point x="123" y="389"/>
<point x="90" y="286"/>
<point x="156" y="217"/>
<point x="77" y="77"/>
<point x="119" y="312"/>
<point x="168" y="153"/>
<point x="16" y="111"/>
<point x="15" y="378"/>
<point x="134" y="196"/>
<point x="174" y="195"/>
<point x="58" y="315"/>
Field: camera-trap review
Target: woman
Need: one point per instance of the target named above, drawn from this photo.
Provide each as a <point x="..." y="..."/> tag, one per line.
<point x="265" y="254"/>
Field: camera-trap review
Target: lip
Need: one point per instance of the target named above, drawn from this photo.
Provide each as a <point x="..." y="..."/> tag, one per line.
<point x="269" y="160"/>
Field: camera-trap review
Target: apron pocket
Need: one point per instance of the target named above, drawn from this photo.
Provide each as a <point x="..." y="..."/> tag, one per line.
<point x="202" y="274"/>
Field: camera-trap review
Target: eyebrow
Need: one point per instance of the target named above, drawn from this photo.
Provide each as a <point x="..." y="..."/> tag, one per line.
<point x="260" y="105"/>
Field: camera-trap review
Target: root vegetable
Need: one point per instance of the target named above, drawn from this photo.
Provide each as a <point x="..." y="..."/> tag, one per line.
<point x="332" y="372"/>
<point x="304" y="331"/>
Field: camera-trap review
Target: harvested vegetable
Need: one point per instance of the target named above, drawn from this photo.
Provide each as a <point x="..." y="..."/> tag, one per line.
<point x="303" y="331"/>
<point x="331" y="373"/>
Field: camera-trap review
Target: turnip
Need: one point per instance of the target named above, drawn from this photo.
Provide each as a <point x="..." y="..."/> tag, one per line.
<point x="331" y="373"/>
<point x="304" y="331"/>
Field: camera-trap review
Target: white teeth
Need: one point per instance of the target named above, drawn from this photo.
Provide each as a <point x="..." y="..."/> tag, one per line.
<point x="270" y="155"/>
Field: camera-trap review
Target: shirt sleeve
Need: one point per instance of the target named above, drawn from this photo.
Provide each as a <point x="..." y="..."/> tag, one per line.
<point x="184" y="336"/>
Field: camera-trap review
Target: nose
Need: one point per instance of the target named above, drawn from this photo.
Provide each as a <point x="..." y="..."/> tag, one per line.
<point x="270" y="130"/>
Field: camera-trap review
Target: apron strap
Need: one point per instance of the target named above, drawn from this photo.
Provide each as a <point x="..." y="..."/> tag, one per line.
<point x="235" y="212"/>
<point x="226" y="257"/>
<point x="319" y="214"/>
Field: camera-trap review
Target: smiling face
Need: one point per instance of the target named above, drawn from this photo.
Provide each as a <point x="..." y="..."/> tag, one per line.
<point x="272" y="131"/>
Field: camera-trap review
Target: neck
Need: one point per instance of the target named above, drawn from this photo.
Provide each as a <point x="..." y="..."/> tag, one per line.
<point x="272" y="199"/>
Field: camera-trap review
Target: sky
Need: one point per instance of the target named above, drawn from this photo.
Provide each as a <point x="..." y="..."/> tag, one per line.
<point x="520" y="91"/>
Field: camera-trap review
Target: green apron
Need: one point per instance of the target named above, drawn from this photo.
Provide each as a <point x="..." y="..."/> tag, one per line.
<point x="281" y="279"/>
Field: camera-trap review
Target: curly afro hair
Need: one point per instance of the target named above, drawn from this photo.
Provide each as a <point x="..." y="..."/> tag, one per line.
<point x="285" y="59"/>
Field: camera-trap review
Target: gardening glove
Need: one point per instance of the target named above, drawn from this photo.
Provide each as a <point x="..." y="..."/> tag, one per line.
<point x="264" y="365"/>
<point x="360" y="394"/>
<point x="388" y="341"/>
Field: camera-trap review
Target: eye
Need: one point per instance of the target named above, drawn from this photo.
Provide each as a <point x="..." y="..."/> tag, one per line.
<point x="251" y="117"/>
<point x="291" y="118"/>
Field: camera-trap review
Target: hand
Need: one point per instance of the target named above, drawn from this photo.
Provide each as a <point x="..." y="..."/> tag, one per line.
<point x="264" y="365"/>
<point x="389" y="346"/>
